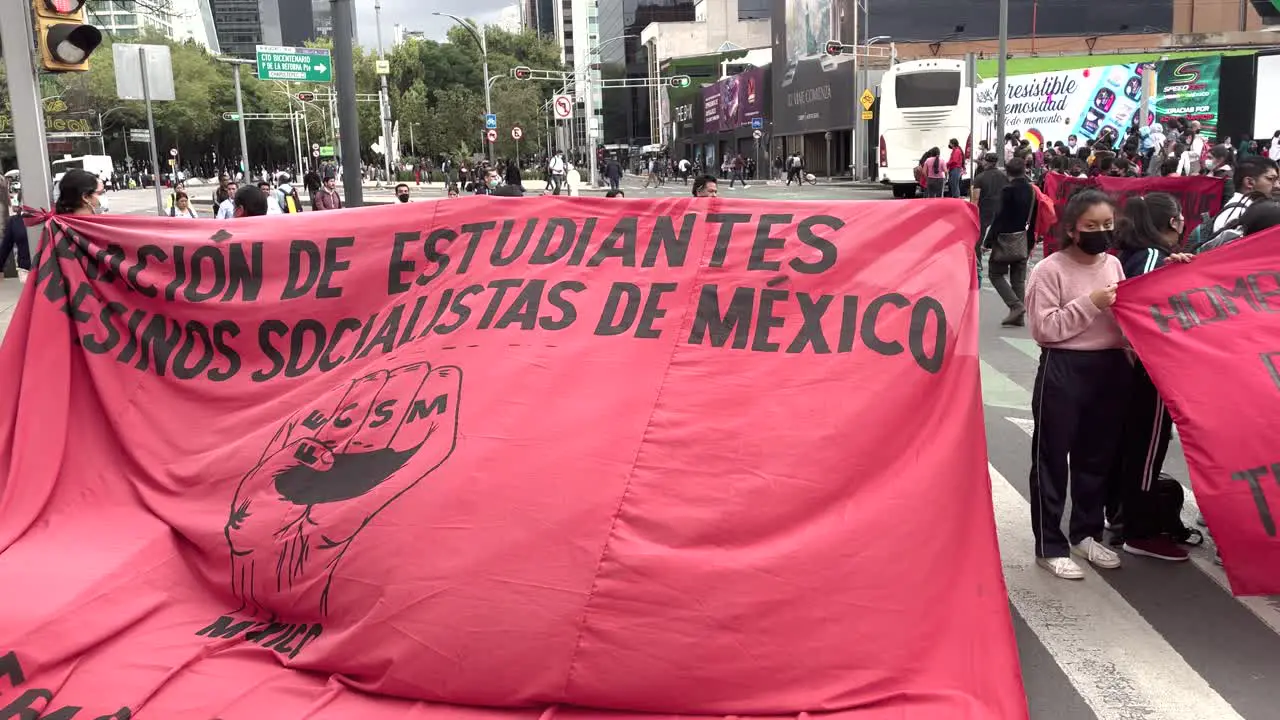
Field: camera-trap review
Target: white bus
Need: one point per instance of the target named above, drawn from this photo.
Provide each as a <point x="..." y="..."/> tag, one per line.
<point x="923" y="104"/>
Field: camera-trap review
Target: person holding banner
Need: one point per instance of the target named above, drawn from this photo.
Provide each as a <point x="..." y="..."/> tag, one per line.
<point x="1147" y="236"/>
<point x="1081" y="387"/>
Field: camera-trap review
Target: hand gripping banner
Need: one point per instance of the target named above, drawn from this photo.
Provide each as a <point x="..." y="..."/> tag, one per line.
<point x="489" y="458"/>
<point x="1208" y="333"/>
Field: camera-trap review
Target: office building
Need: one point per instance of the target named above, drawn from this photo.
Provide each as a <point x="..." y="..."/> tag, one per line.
<point x="322" y="18"/>
<point x="577" y="29"/>
<point x="720" y="26"/>
<point x="400" y="33"/>
<point x="124" y="20"/>
<point x="627" y="119"/>
<point x="242" y="25"/>
<point x="239" y="26"/>
<point x="540" y="16"/>
<point x="510" y="18"/>
<point x="813" y="95"/>
<point x="182" y="20"/>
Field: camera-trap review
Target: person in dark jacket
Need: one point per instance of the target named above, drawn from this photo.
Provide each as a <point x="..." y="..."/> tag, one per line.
<point x="513" y="177"/>
<point x="14" y="239"/>
<point x="613" y="173"/>
<point x="1017" y="214"/>
<point x="1147" y="236"/>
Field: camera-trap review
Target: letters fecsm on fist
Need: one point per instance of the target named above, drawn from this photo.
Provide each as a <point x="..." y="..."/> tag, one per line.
<point x="328" y="471"/>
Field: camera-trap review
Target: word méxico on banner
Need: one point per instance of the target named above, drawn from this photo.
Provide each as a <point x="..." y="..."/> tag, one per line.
<point x="421" y="267"/>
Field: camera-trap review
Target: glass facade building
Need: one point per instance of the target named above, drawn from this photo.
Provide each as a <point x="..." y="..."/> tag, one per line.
<point x="239" y="26"/>
<point x="242" y="25"/>
<point x="626" y="116"/>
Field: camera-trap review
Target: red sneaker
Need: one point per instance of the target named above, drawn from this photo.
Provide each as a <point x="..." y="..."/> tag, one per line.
<point x="1160" y="548"/>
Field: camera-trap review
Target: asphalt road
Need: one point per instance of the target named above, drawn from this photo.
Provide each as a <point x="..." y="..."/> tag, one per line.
<point x="1149" y="641"/>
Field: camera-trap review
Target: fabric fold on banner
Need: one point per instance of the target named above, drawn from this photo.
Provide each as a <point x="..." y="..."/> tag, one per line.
<point x="1208" y="332"/>
<point x="1196" y="195"/>
<point x="492" y="458"/>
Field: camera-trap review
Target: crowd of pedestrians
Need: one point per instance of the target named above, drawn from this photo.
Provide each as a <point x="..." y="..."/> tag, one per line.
<point x="1099" y="419"/>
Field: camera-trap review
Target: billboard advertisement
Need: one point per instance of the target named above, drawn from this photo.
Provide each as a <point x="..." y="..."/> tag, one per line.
<point x="1188" y="88"/>
<point x="812" y="91"/>
<point x="751" y="86"/>
<point x="738" y="99"/>
<point x="711" y="108"/>
<point x="1047" y="107"/>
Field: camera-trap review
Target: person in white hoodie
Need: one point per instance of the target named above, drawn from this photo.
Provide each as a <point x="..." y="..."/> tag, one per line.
<point x="1274" y="152"/>
<point x="273" y="201"/>
<point x="1158" y="150"/>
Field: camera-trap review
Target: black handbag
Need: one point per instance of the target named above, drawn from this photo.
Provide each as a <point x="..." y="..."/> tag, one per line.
<point x="1010" y="247"/>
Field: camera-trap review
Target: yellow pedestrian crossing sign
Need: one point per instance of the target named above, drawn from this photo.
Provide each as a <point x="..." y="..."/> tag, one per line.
<point x="868" y="99"/>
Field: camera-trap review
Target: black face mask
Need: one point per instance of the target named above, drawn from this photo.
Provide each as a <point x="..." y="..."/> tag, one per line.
<point x="1094" y="242"/>
<point x="404" y="197"/>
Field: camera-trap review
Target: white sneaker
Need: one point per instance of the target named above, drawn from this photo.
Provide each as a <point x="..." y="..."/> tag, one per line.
<point x="1062" y="567"/>
<point x="1096" y="553"/>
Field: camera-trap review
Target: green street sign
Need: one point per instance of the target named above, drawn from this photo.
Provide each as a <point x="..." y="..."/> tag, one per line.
<point x="298" y="64"/>
<point x="326" y="151"/>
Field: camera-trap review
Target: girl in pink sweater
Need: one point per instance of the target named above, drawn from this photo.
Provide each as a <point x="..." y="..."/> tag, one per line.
<point x="1081" y="389"/>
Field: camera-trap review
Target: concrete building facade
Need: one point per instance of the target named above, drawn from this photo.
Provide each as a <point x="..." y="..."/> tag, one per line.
<point x="719" y="26"/>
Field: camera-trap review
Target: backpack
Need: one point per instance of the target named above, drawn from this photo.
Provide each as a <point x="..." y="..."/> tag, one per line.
<point x="1168" y="498"/>
<point x="1203" y="234"/>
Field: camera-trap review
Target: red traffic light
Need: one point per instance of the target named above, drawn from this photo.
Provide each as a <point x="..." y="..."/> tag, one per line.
<point x="522" y="73"/>
<point x="65" y="7"/>
<point x="64" y="40"/>
<point x="834" y="47"/>
<point x="306" y="96"/>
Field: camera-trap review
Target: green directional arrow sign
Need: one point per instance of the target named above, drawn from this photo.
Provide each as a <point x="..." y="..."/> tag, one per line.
<point x="298" y="64"/>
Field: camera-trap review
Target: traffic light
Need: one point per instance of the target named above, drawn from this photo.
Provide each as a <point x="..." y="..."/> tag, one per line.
<point x="306" y="96"/>
<point x="834" y="47"/>
<point x="65" y="40"/>
<point x="679" y="81"/>
<point x="521" y="73"/>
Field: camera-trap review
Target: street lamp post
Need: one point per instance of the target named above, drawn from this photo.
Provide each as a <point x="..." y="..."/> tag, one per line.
<point x="244" y="142"/>
<point x="862" y="138"/>
<point x="102" y="130"/>
<point x="589" y="103"/>
<point x="478" y="34"/>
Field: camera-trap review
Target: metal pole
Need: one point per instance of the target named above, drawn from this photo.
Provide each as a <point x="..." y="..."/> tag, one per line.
<point x="1148" y="73"/>
<point x="384" y="97"/>
<point x="589" y="105"/>
<point x="855" y="167"/>
<point x="349" y="120"/>
<point x="27" y="111"/>
<point x="244" y="142"/>
<point x="102" y="134"/>
<point x="151" y="127"/>
<point x="488" y="102"/>
<point x="1001" y="83"/>
<point x="306" y="126"/>
<point x="971" y="79"/>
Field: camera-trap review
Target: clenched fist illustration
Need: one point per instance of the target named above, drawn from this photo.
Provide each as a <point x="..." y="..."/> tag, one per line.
<point x="328" y="471"/>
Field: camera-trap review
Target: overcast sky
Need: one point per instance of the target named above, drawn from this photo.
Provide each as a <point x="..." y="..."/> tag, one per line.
<point x="416" y="15"/>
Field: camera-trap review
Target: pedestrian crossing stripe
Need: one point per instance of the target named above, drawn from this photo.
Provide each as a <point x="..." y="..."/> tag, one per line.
<point x="1117" y="662"/>
<point x="1266" y="609"/>
<point x="1026" y="346"/>
<point x="999" y="390"/>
